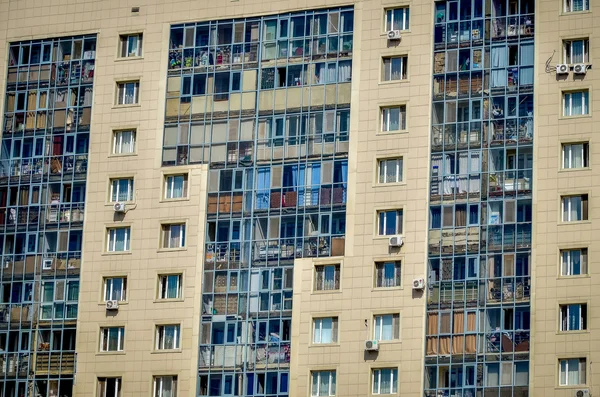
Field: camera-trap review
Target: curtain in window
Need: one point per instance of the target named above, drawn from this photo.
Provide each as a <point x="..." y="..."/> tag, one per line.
<point x="432" y="329"/>
<point x="577" y="51"/>
<point x="329" y="277"/>
<point x="458" y="340"/>
<point x="72" y="290"/>
<point x="167" y="386"/>
<point x="178" y="186"/>
<point x="471" y="340"/>
<point x="578" y="5"/>
<point x="48" y="293"/>
<point x="326" y="330"/>
<point x="113" y="339"/>
<point x="574" y="317"/>
<point x="445" y="328"/>
<point x="499" y="60"/>
<point x="344" y="71"/>
<point x="172" y="286"/>
<point x="387" y="325"/>
<point x="576" y="262"/>
<point x="120" y="239"/>
<point x="386" y="381"/>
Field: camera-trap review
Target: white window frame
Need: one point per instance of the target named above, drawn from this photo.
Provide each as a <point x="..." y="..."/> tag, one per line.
<point x="124" y="45"/>
<point x="170" y="186"/>
<point x="386" y="115"/>
<point x="567" y="155"/>
<point x="161" y="331"/>
<point x="566" y="262"/>
<point x="397" y="273"/>
<point x="118" y="139"/>
<point x="568" y="99"/>
<point x="399" y="219"/>
<point x="388" y="23"/>
<point x="566" y="205"/>
<point x="109" y="288"/>
<point x="568" y="51"/>
<point x="387" y="68"/>
<point x="118" y="383"/>
<point x="565" y="313"/>
<point x="318" y="330"/>
<point x="383" y="165"/>
<point x="122" y="92"/>
<point x="323" y="287"/>
<point x="115" y="189"/>
<point x="111" y="241"/>
<point x="167" y="233"/>
<point x="580" y="360"/>
<point x="105" y="337"/>
<point x="331" y="383"/>
<point x="159" y="390"/>
<point x="568" y="5"/>
<point x="163" y="286"/>
<point x="376" y="386"/>
<point x="378" y="322"/>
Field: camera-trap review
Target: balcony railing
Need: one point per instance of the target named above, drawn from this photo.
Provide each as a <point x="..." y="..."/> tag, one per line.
<point x="55" y="363"/>
<point x="34" y="169"/>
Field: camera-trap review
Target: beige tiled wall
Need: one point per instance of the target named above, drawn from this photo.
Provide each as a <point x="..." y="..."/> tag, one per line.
<point x="551" y="130"/>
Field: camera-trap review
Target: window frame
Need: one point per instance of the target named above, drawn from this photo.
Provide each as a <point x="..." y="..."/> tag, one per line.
<point x="111" y="234"/>
<point x="381" y="229"/>
<point x="160" y="379"/>
<point x="332" y="382"/>
<point x="397" y="274"/>
<point x="337" y="276"/>
<point x="580" y="361"/>
<point x="124" y="50"/>
<point x="317" y="330"/>
<point x="585" y="103"/>
<point x="160" y="337"/>
<point x="115" y="185"/>
<point x="566" y="201"/>
<point x="378" y="322"/>
<point x="564" y="311"/>
<point x="568" y="158"/>
<point x="163" y="286"/>
<point x="389" y="24"/>
<point x="393" y="380"/>
<point x="387" y="62"/>
<point x="120" y="97"/>
<point x="385" y="115"/>
<point x="568" y="254"/>
<point x="166" y="235"/>
<point x="399" y="175"/>
<point x="105" y="339"/>
<point x="568" y="4"/>
<point x="102" y="386"/>
<point x="169" y="184"/>
<point x="568" y="50"/>
<point x="118" y="142"/>
<point x="109" y="293"/>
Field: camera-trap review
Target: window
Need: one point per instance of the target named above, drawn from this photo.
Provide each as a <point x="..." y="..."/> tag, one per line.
<point x="325" y="330"/>
<point x="573" y="262"/>
<point x="575" y="155"/>
<point x="572" y="372"/>
<point x="173" y="235"/>
<point x="387" y="274"/>
<point x="130" y="45"/>
<point x="386" y="327"/>
<point x="327" y="277"/>
<point x="389" y="222"/>
<point x="385" y="381"/>
<point x="390" y="170"/>
<point x="176" y="186"/>
<point x="109" y="387"/>
<point x="575" y="208"/>
<point x="575" y="103"/>
<point x="394" y="68"/>
<point x="397" y="19"/>
<point x="323" y="383"/>
<point x="112" y="339"/>
<point x="59" y="299"/>
<point x="576" y="5"/>
<point x="128" y="92"/>
<point x="393" y="118"/>
<point x="573" y="317"/>
<point x="121" y="189"/>
<point x="576" y="51"/>
<point x="167" y="337"/>
<point x="165" y="386"/>
<point x="124" y="142"/>
<point x="118" y="239"/>
<point x="115" y="288"/>
<point x="169" y="286"/>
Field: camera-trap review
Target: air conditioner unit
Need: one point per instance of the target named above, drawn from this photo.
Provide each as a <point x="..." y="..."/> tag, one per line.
<point x="119" y="207"/>
<point x="112" y="305"/>
<point x="580" y="68"/>
<point x="47" y="264"/>
<point x="582" y="393"/>
<point x="418" y="283"/>
<point x="371" y="346"/>
<point x="562" y="68"/>
<point x="395" y="241"/>
<point x="393" y="35"/>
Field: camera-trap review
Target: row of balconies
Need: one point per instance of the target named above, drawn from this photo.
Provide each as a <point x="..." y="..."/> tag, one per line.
<point x="475" y="239"/>
<point x="49" y="168"/>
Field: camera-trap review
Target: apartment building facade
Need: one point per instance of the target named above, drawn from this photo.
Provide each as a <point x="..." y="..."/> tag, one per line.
<point x="391" y="197"/>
